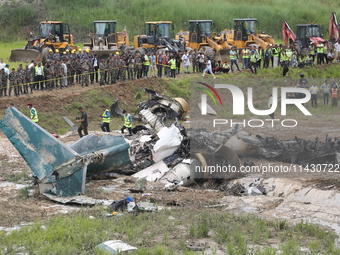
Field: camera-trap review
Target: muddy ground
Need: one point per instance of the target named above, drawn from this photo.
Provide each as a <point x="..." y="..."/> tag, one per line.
<point x="293" y="199"/>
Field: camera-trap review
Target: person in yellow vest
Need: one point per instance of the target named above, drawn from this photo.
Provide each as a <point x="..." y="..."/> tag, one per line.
<point x="146" y="64"/>
<point x="39" y="74"/>
<point x="106" y="120"/>
<point x="233" y="59"/>
<point x="311" y="51"/>
<point x="245" y="57"/>
<point x="128" y="121"/>
<point x="276" y="53"/>
<point x="319" y="53"/>
<point x="325" y="52"/>
<point x="172" y="63"/>
<point x="334" y="92"/>
<point x="253" y="62"/>
<point x="309" y="60"/>
<point x="289" y="55"/>
<point x="33" y="113"/>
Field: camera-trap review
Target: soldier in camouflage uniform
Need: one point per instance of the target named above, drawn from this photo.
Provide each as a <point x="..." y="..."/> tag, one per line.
<point x="138" y="66"/>
<point x="68" y="65"/>
<point x="111" y="72"/>
<point x="122" y="68"/>
<point x="48" y="81"/>
<point x="130" y="67"/>
<point x="50" y="55"/>
<point x="58" y="71"/>
<point x="102" y="67"/>
<point x="31" y="74"/>
<point x="27" y="81"/>
<point x="21" y="79"/>
<point x="72" y="68"/>
<point x="2" y="71"/>
<point x="56" y="55"/>
<point x="85" y="73"/>
<point x="3" y="82"/>
<point x="78" y="70"/>
<point x="12" y="82"/>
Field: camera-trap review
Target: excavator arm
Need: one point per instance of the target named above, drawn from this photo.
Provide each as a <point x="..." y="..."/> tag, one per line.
<point x="287" y="33"/>
<point x="333" y="28"/>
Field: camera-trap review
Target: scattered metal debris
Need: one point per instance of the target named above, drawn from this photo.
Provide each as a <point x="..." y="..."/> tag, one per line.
<point x="163" y="105"/>
<point x="73" y="127"/>
<point x="80" y="200"/>
<point x="115" y="247"/>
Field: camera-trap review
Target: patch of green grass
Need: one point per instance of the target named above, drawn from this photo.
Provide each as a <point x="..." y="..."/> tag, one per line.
<point x="155" y="233"/>
<point x="18" y="177"/>
<point x="23" y="193"/>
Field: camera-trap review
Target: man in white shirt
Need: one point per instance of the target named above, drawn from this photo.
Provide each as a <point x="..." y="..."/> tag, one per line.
<point x="314" y="93"/>
<point x="208" y="68"/>
<point x="330" y="56"/>
<point x="31" y="65"/>
<point x="64" y="74"/>
<point x="326" y="87"/>
<point x="186" y="61"/>
<point x="2" y="64"/>
<point x="337" y="50"/>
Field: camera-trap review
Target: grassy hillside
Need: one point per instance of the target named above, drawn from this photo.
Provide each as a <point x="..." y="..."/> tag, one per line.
<point x="18" y="18"/>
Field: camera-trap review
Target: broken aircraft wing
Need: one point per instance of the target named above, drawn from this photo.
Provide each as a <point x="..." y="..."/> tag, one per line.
<point x="61" y="169"/>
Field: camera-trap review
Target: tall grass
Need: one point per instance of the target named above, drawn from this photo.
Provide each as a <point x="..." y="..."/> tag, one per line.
<point x="132" y="14"/>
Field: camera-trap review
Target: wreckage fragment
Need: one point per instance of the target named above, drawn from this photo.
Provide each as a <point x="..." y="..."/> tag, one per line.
<point x="163" y="105"/>
<point x="60" y="169"/>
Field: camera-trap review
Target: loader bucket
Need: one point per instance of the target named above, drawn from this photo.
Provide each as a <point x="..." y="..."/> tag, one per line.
<point x="222" y="55"/>
<point x="27" y="56"/>
<point x="104" y="54"/>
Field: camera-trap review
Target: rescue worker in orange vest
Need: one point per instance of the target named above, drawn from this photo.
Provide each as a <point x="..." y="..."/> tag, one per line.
<point x="334" y="92"/>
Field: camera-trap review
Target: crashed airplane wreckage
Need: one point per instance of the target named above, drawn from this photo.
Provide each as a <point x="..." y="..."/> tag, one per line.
<point x="61" y="170"/>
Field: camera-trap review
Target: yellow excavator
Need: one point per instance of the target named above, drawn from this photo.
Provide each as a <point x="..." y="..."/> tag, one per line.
<point x="106" y="40"/>
<point x="52" y="35"/>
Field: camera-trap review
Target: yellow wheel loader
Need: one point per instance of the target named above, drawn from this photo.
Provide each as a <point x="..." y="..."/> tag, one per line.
<point x="157" y="37"/>
<point x="52" y="35"/>
<point x="200" y="37"/>
<point x="106" y="40"/>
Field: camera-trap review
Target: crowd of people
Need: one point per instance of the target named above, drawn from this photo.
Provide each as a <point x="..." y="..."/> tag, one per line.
<point x="63" y="69"/>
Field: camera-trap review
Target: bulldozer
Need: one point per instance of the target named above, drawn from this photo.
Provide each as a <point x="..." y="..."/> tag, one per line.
<point x="52" y="35"/>
<point x="106" y="40"/>
<point x="157" y="37"/>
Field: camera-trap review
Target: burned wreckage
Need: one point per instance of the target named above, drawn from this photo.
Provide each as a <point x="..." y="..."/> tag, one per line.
<point x="160" y="150"/>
